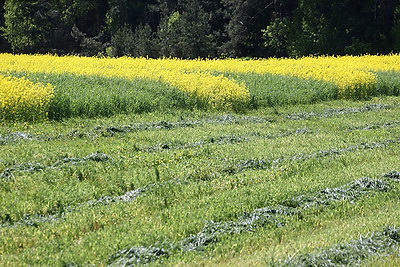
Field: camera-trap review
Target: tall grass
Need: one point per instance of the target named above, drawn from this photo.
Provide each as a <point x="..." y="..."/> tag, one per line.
<point x="95" y="96"/>
<point x="268" y="90"/>
<point x="388" y="83"/>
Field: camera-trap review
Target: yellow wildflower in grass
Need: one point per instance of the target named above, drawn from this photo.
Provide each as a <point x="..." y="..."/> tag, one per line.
<point x="21" y="99"/>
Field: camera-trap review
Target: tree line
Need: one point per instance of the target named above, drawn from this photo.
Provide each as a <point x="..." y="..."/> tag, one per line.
<point x="200" y="28"/>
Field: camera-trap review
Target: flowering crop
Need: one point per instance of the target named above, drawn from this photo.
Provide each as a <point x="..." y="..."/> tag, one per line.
<point x="217" y="91"/>
<point x="355" y="77"/>
<point x="21" y="99"/>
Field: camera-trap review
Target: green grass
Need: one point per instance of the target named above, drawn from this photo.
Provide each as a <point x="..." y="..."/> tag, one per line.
<point x="85" y="190"/>
<point x="270" y="90"/>
<point x="94" y="96"/>
<point x="388" y="83"/>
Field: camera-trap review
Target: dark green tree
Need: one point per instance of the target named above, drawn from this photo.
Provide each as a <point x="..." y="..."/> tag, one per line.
<point x="132" y="25"/>
<point x="387" y="9"/>
<point x="140" y="42"/>
<point x="85" y="21"/>
<point x="186" y="32"/>
<point x="45" y="26"/>
<point x="247" y="18"/>
<point x="276" y="37"/>
<point x="276" y="34"/>
<point x="4" y="46"/>
<point x="121" y="13"/>
<point x="314" y="30"/>
<point x="201" y="28"/>
<point x="395" y="32"/>
<point x="22" y="25"/>
<point x="342" y="27"/>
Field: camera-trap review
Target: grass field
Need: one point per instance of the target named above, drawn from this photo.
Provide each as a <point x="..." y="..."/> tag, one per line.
<point x="140" y="171"/>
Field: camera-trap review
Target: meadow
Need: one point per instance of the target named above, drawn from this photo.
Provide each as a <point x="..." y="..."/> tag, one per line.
<point x="122" y="161"/>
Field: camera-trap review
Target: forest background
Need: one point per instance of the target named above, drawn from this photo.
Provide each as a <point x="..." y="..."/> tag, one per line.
<point x="200" y="29"/>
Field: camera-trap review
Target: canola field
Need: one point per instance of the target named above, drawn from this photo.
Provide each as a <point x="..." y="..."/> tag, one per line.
<point x="219" y="84"/>
<point x="165" y="162"/>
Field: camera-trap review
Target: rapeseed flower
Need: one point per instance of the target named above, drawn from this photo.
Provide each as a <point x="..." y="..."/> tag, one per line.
<point x="21" y="99"/>
<point x="354" y="76"/>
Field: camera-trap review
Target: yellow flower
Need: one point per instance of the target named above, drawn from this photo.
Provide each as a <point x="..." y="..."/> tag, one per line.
<point x="354" y="76"/>
<point x="21" y="99"/>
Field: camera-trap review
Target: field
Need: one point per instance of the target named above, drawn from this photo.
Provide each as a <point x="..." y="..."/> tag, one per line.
<point x="219" y="162"/>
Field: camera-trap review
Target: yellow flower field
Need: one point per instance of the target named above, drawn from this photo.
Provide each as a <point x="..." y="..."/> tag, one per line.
<point x="23" y="99"/>
<point x="218" y="91"/>
<point x="353" y="76"/>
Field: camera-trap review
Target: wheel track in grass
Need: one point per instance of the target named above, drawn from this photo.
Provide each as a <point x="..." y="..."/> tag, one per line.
<point x="130" y="196"/>
<point x="274" y="216"/>
<point x="164" y="125"/>
<point x="233" y="139"/>
<point x="234" y="119"/>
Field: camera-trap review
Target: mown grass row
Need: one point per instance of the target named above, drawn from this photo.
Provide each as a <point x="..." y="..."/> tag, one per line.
<point x="275" y="216"/>
<point x="138" y="148"/>
<point x="233" y="168"/>
<point x="354" y="252"/>
<point x="72" y="210"/>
